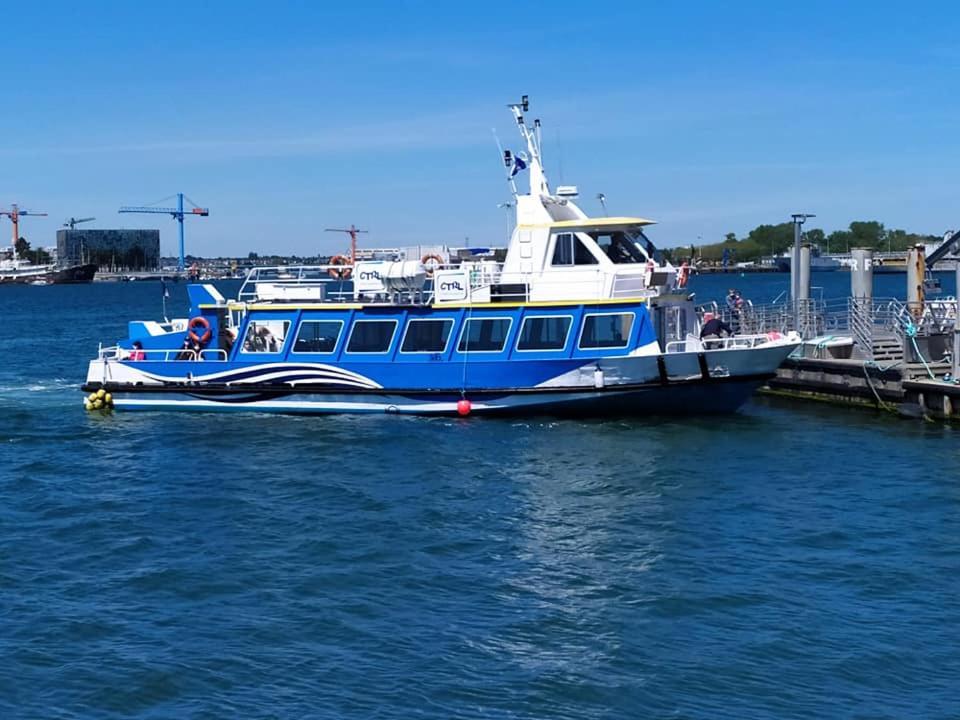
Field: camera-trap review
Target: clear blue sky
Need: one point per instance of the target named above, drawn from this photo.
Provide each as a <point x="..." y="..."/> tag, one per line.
<point x="288" y="117"/>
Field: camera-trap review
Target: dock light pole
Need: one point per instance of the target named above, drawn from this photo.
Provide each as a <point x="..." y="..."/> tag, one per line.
<point x="798" y="220"/>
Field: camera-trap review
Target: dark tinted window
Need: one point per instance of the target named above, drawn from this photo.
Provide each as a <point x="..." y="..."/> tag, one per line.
<point x="425" y="336"/>
<point x="569" y="250"/>
<point x="484" y="335"/>
<point x="606" y="331"/>
<point x="371" y="336"/>
<point x="619" y="246"/>
<point x="317" y="336"/>
<point x="543" y="333"/>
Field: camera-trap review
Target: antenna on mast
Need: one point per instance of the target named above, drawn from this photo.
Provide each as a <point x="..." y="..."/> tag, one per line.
<point x="507" y="161"/>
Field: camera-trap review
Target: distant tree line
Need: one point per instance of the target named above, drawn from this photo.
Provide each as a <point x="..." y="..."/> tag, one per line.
<point x="766" y="240"/>
<point x="38" y="256"/>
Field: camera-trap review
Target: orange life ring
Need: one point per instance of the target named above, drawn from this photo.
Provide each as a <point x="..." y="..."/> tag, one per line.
<point x="430" y="270"/>
<point x="200" y="322"/>
<point x="343" y="273"/>
<point x="683" y="275"/>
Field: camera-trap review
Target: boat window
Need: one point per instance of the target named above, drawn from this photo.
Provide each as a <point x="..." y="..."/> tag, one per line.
<point x="484" y="335"/>
<point x="608" y="330"/>
<point x="619" y="246"/>
<point x="426" y="336"/>
<point x="318" y="336"/>
<point x="568" y="249"/>
<point x="544" y="333"/>
<point x="265" y="336"/>
<point x="371" y="336"/>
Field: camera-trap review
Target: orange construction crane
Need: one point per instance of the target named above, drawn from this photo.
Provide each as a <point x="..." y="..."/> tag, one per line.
<point x="352" y="232"/>
<point x="14" y="213"/>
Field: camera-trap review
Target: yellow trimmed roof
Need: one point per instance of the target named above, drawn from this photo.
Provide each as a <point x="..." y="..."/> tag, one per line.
<point x="601" y="222"/>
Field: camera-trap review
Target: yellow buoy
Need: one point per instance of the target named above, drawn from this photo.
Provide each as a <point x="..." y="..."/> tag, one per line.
<point x="101" y="392"/>
<point x="87" y="405"/>
<point x="91" y="397"/>
<point x="108" y="398"/>
<point x="98" y="404"/>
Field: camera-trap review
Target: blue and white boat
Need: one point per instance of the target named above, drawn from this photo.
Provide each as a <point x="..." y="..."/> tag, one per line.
<point x="582" y="317"/>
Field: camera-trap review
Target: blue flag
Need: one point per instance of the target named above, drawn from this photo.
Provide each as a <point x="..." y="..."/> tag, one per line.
<point x="518" y="165"/>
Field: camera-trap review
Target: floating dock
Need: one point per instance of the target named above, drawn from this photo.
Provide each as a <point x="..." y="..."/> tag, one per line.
<point x="884" y="353"/>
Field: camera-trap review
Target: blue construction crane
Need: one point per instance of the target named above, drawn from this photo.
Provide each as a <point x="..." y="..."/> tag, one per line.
<point x="177" y="213"/>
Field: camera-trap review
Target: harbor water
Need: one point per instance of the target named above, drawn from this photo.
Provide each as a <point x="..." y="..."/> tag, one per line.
<point x="790" y="561"/>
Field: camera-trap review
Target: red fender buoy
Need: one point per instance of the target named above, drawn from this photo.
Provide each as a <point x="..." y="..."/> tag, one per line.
<point x="463" y="407"/>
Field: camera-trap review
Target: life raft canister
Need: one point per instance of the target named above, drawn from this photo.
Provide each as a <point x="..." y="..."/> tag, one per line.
<point x="195" y="324"/>
<point x="340" y="273"/>
<point x="431" y="267"/>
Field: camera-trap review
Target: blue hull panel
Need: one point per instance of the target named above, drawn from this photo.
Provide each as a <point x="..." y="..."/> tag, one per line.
<point x="711" y="397"/>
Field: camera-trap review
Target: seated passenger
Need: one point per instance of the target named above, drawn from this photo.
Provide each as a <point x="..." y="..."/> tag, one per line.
<point x="137" y="353"/>
<point x="186" y="351"/>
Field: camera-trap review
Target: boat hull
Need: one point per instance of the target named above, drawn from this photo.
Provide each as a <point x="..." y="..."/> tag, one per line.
<point x="74" y="275"/>
<point x="713" y="396"/>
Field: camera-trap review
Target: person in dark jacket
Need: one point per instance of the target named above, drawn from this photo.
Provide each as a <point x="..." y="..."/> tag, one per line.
<point x="714" y="327"/>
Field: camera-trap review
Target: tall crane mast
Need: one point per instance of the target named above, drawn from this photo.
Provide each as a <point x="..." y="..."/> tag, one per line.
<point x="15" y="213"/>
<point x="177" y="214"/>
<point x="352" y="232"/>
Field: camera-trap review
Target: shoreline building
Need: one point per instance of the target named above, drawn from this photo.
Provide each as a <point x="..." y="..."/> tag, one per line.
<point x="110" y="250"/>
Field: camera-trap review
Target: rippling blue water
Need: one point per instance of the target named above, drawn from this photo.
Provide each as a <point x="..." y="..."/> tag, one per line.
<point x="787" y="562"/>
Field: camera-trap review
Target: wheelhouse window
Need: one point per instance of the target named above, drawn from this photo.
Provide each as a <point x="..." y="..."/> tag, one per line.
<point x="621" y="246"/>
<point x="544" y="333"/>
<point x="318" y="336"/>
<point x="426" y="336"/>
<point x="484" y="335"/>
<point x="606" y="330"/>
<point x="265" y="336"/>
<point x="568" y="249"/>
<point x="371" y="336"/>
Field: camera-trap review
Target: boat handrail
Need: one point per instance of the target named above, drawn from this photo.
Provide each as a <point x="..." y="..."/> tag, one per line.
<point x="733" y="342"/>
<point x="292" y="275"/>
<point x="115" y="352"/>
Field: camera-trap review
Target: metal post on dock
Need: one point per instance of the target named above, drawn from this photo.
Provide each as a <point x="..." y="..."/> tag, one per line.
<point x="798" y="220"/>
<point x="803" y="291"/>
<point x="861" y="274"/>
<point x="861" y="299"/>
<point x="955" y="370"/>
<point x="916" y="270"/>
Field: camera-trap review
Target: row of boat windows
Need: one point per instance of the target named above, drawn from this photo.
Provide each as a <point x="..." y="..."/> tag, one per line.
<point x="601" y="330"/>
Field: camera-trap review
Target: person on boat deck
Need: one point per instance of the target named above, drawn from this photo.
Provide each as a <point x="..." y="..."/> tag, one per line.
<point x="266" y="341"/>
<point x="714" y="327"/>
<point x="137" y="353"/>
<point x="186" y="351"/>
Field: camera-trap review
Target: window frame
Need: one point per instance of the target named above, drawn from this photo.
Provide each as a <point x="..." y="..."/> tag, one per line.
<point x="506" y="335"/>
<point x="583" y="327"/>
<point x="353" y="326"/>
<point x="566" y="339"/>
<point x="575" y="241"/>
<point x="281" y="346"/>
<point x="304" y="321"/>
<point x="446" y="341"/>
